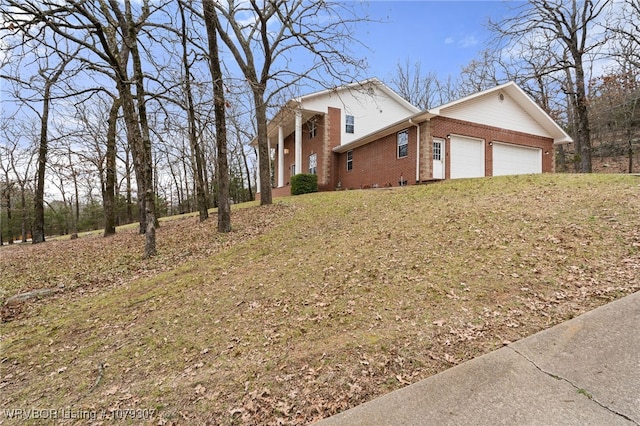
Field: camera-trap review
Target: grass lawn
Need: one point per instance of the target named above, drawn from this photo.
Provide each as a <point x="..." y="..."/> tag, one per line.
<point x="314" y="304"/>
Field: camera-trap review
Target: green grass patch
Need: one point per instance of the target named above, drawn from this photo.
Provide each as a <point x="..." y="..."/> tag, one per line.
<point x="316" y="303"/>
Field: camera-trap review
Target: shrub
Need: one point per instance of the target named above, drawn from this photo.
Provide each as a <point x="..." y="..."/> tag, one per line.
<point x="304" y="184"/>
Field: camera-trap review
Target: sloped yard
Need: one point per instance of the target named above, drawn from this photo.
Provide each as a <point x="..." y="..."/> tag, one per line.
<point x="312" y="305"/>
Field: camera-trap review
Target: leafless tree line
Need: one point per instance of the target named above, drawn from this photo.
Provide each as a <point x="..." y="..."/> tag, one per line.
<point x="124" y="97"/>
<point x="148" y="105"/>
<point x="577" y="59"/>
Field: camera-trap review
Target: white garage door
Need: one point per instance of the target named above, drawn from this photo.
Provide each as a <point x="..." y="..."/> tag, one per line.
<point x="516" y="160"/>
<point x="466" y="157"/>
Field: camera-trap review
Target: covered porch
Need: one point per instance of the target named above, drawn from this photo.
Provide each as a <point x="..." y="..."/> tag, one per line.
<point x="285" y="136"/>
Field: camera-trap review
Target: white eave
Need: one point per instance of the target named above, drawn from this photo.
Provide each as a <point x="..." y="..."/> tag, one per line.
<point x="405" y="123"/>
<point x="516" y="93"/>
<point x="285" y="115"/>
<point x="360" y="85"/>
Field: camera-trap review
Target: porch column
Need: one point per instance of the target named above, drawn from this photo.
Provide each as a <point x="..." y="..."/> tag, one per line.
<point x="298" y="139"/>
<point x="280" y="157"/>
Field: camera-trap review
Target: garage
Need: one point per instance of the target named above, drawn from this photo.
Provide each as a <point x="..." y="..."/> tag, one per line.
<point x="515" y="160"/>
<point x="466" y="157"/>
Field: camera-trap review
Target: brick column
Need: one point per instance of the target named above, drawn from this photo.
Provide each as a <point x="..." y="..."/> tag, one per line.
<point x="426" y="148"/>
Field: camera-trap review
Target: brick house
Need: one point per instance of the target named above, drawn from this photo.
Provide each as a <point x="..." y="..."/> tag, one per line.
<point x="365" y="135"/>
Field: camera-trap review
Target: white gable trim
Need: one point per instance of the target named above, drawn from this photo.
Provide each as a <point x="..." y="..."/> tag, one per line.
<point x="537" y="115"/>
<point x="360" y="85"/>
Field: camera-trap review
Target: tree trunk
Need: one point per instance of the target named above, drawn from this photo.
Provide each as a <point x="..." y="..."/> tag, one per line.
<point x="561" y="165"/>
<point x="134" y="139"/>
<point x="582" y="116"/>
<point x="23" y="206"/>
<point x="264" y="162"/>
<point x="127" y="166"/>
<point x="75" y="213"/>
<point x="109" y="193"/>
<point x="38" y="210"/>
<point x="222" y="169"/>
<point x="200" y="191"/>
<point x="149" y="203"/>
<point x="187" y="196"/>
<point x="7" y="200"/>
<point x="630" y="150"/>
<point x="246" y="167"/>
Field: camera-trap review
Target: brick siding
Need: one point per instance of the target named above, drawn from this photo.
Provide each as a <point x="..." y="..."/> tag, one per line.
<point x="376" y="164"/>
<point x="426" y="151"/>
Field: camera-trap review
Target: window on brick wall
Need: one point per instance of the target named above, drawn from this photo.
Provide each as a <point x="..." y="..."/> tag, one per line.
<point x="403" y="144"/>
<point x="313" y="164"/>
<point x="349" y="160"/>
<point x="313" y="128"/>
<point x="350" y="124"/>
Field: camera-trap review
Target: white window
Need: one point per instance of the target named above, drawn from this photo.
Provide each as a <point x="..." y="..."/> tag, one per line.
<point x="349" y="160"/>
<point x="293" y="169"/>
<point x="313" y="128"/>
<point x="403" y="144"/>
<point x="313" y="164"/>
<point x="349" y="124"/>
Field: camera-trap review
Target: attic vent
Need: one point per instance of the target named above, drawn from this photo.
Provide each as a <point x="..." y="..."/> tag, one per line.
<point x="501" y="96"/>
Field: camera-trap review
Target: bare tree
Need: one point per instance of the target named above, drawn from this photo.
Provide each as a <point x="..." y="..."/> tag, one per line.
<point x="264" y="36"/>
<point x="624" y="26"/>
<point x="50" y="80"/>
<point x="560" y="26"/>
<point x="6" y="189"/>
<point x="201" y="193"/>
<point x="109" y="38"/>
<point x="615" y="111"/>
<point x="479" y="74"/>
<point x="222" y="167"/>
<point x="19" y="160"/>
<point x="109" y="183"/>
<point x="418" y="88"/>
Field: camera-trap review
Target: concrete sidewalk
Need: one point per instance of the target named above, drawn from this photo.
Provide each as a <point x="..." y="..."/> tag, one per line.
<point x="585" y="371"/>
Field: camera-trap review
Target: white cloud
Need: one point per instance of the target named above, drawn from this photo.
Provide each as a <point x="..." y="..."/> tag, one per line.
<point x="463" y="43"/>
<point x="468" y="41"/>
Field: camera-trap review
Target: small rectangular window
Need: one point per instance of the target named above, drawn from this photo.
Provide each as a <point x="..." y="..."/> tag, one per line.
<point x="403" y="144"/>
<point x="313" y="164"/>
<point x="350" y="124"/>
<point x="293" y="170"/>
<point x="349" y="160"/>
<point x="313" y="128"/>
<point x="437" y="151"/>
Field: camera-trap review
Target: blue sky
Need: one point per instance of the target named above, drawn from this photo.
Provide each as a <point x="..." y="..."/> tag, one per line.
<point x="442" y="35"/>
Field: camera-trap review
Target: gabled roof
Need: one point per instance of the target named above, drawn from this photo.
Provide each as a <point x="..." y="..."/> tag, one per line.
<point x="285" y="115"/>
<point x="511" y="89"/>
<point x="359" y="85"/>
<point x="523" y="100"/>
